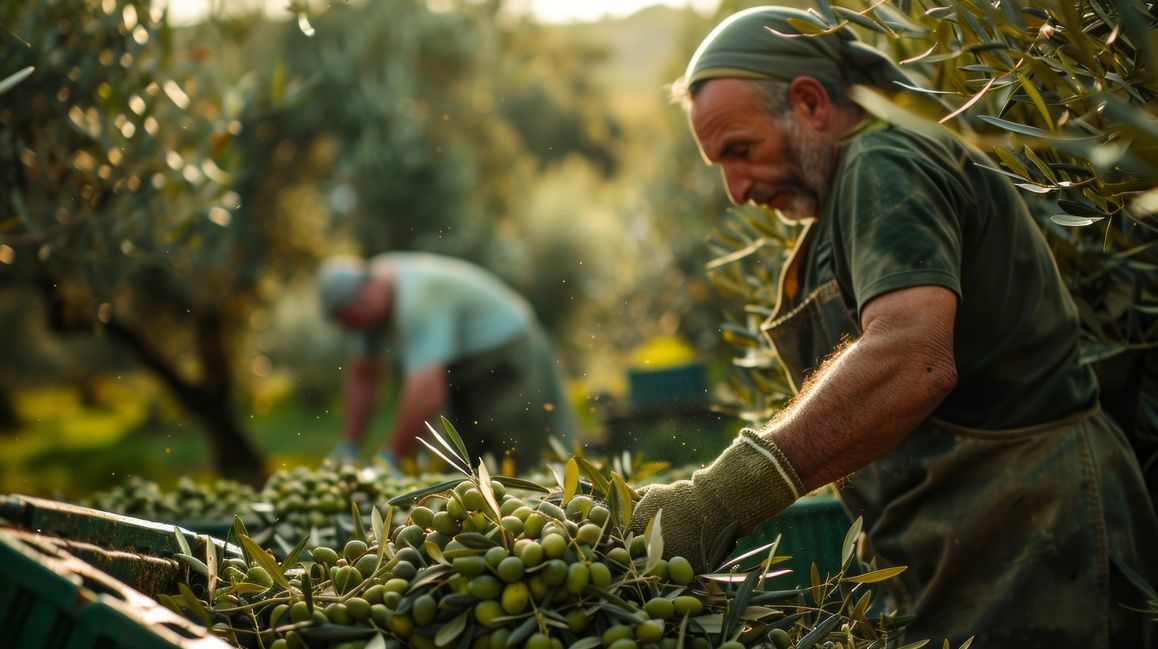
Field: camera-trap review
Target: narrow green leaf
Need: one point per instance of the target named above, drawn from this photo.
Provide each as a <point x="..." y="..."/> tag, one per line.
<point x="457" y="439"/>
<point x="1071" y="221"/>
<point x="488" y="493"/>
<point x="600" y="483"/>
<point x="863" y="21"/>
<point x="194" y="604"/>
<point x="457" y="463"/>
<point x="817" y="634"/>
<point x="520" y="483"/>
<point x="192" y="562"/>
<point x="626" y="501"/>
<point x="359" y="529"/>
<point x="182" y="542"/>
<point x="1013" y="162"/>
<point x="1080" y="208"/>
<point x="805" y="27"/>
<point x="418" y="494"/>
<point x="10" y="82"/>
<point x="292" y="557"/>
<point x="308" y="589"/>
<point x="875" y="576"/>
<point x="377" y="525"/>
<point x="265" y="560"/>
<point x="825" y="10"/>
<point x="1035" y="97"/>
<point x="570" y="481"/>
<point x="654" y="533"/>
<point x="848" y="548"/>
<point x="816" y="597"/>
<point x="1041" y="165"/>
<point x="1031" y="131"/>
<point x="452" y="629"/>
<point x="739" y="603"/>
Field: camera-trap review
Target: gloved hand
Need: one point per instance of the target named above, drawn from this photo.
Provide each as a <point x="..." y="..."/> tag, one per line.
<point x="344" y="452"/>
<point x="748" y="483"/>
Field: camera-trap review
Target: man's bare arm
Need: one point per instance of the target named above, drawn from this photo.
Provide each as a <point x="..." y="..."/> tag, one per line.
<point x="423" y="394"/>
<point x="874" y="391"/>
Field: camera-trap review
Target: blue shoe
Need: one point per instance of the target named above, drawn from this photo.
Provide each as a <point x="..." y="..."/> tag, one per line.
<point x="343" y="453"/>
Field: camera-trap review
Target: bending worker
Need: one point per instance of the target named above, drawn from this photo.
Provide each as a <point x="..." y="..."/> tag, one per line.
<point x="462" y="340"/>
<point x="935" y="349"/>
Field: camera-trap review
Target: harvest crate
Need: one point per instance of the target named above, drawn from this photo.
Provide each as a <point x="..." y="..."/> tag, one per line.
<point x="50" y="599"/>
<point x="679" y="385"/>
<point x="812" y="530"/>
<point x="137" y="552"/>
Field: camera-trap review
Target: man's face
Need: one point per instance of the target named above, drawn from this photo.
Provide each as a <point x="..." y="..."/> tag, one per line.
<point x="784" y="164"/>
<point x="369" y="310"/>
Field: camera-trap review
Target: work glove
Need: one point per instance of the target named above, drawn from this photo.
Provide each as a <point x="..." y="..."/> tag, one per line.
<point x="748" y="483"/>
<point x="344" y="452"/>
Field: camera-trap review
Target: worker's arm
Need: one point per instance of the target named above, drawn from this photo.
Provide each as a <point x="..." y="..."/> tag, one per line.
<point x="423" y="394"/>
<point x="361" y="392"/>
<point x="857" y="407"/>
<point x="863" y="402"/>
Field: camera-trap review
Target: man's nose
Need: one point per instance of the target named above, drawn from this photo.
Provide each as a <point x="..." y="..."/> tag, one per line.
<point x="738" y="184"/>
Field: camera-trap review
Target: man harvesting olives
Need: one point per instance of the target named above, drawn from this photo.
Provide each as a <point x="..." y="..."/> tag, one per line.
<point x="935" y="350"/>
<point x="462" y="340"/>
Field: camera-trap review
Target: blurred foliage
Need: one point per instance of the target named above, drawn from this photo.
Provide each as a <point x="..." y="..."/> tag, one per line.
<point x="1062" y="94"/>
<point x="170" y="188"/>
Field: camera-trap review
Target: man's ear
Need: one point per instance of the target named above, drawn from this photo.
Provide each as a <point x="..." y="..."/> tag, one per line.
<point x="810" y="101"/>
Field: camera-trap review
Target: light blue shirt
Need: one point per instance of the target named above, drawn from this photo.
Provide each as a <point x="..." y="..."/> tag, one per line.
<point x="446" y="309"/>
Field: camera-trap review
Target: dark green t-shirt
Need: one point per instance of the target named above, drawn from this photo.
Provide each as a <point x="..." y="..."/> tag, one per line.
<point x="910" y="210"/>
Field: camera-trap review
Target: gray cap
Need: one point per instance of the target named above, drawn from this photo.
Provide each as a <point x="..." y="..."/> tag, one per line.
<point x="340" y="279"/>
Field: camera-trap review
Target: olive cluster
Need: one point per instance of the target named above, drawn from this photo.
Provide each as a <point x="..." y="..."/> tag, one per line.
<point x="472" y="566"/>
<point x="190" y="501"/>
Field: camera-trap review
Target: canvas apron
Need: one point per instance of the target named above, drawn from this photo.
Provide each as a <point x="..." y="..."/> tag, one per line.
<point x="1007" y="535"/>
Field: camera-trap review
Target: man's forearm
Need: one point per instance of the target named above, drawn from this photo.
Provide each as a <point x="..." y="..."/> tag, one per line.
<point x="360" y="398"/>
<point x="423" y="394"/>
<point x="872" y="393"/>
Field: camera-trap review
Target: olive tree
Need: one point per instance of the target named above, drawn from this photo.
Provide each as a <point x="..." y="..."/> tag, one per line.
<point x="118" y="201"/>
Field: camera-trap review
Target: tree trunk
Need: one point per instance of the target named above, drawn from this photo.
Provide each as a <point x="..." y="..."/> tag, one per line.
<point x="210" y="400"/>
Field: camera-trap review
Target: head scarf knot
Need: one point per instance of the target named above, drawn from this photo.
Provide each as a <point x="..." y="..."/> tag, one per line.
<point x="745" y="46"/>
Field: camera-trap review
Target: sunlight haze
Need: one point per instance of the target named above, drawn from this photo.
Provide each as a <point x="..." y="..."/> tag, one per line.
<point x="547" y="11"/>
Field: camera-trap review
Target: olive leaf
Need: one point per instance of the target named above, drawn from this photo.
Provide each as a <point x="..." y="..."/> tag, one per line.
<point x="654" y="542"/>
<point x="356" y="516"/>
<point x="458" y="463"/>
<point x="874" y="576"/>
<point x="11" y="80"/>
<point x="817" y="634"/>
<point x="265" y="560"/>
<point x="570" y="481"/>
<point x="848" y="548"/>
<point x="452" y="629"/>
<point x="493" y="511"/>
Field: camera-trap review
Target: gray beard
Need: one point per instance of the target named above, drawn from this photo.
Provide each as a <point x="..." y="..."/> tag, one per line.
<point x="814" y="160"/>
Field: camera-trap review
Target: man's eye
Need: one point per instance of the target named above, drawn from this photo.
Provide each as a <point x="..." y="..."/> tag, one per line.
<point x="737" y="151"/>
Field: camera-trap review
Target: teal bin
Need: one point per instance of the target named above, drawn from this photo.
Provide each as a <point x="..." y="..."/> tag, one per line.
<point x="811" y="530"/>
<point x="50" y="599"/>
<point x="676" y="386"/>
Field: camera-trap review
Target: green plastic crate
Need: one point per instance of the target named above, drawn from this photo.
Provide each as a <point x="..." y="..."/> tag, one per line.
<point x="50" y="599"/>
<point x="812" y="530"/>
<point x="680" y="385"/>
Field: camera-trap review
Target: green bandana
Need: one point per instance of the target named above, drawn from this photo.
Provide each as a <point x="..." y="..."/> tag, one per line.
<point x="743" y="47"/>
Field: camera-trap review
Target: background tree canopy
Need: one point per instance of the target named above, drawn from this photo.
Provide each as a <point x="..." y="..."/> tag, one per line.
<point x="170" y="189"/>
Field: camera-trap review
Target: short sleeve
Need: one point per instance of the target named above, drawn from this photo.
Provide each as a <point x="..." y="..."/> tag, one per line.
<point x="894" y="223"/>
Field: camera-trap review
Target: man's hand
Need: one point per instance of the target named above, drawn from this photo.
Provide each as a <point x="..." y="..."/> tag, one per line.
<point x="750" y="482"/>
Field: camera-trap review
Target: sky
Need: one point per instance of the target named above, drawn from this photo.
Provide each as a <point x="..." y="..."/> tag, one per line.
<point x="548" y="11"/>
